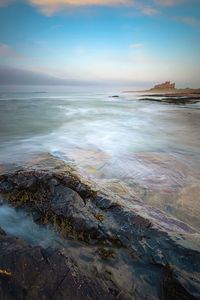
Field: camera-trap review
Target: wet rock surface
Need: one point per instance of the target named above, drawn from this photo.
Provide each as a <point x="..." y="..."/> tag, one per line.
<point x="118" y="249"/>
<point x="34" y="273"/>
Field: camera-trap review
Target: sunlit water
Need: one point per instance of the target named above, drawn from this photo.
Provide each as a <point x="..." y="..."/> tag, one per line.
<point x="147" y="149"/>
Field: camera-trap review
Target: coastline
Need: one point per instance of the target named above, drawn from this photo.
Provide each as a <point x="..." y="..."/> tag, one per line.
<point x="173" y="96"/>
<point x="170" y="91"/>
<point x="123" y="240"/>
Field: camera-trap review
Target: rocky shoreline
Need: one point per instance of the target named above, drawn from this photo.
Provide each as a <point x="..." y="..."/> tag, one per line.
<point x="113" y="247"/>
<point x="173" y="98"/>
<point x="168" y="93"/>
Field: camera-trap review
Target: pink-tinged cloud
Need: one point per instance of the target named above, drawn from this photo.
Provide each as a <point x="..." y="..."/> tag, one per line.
<point x="49" y="7"/>
<point x="79" y="2"/>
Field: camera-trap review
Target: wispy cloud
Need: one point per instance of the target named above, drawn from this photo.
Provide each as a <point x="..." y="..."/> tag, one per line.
<point x="168" y="2"/>
<point x="136" y="46"/>
<point x="7" y="51"/>
<point x="49" y="7"/>
<point x="79" y="2"/>
<point x="148" y="10"/>
<point x="6" y="2"/>
<point x="191" y="21"/>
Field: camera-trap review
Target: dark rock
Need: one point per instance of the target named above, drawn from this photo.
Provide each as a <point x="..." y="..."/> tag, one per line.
<point x="172" y="289"/>
<point x="176" y="98"/>
<point x="2" y="232"/>
<point x="34" y="273"/>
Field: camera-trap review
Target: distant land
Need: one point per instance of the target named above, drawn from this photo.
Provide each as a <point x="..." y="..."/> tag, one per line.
<point x="168" y="93"/>
<point x="167" y="87"/>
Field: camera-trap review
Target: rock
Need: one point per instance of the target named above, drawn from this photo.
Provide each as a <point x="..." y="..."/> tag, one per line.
<point x="35" y="273"/>
<point x="122" y="252"/>
<point x="2" y="232"/>
<point x="51" y="201"/>
<point x="176" y="99"/>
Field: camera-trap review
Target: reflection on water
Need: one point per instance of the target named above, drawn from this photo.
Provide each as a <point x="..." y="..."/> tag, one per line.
<point x="150" y="148"/>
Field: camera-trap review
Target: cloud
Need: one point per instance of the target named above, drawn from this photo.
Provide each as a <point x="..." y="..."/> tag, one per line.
<point x="6" y="2"/>
<point x="148" y="10"/>
<point x="168" y="2"/>
<point x="49" y="7"/>
<point x="6" y="51"/>
<point x="192" y="21"/>
<point x="136" y="46"/>
<point x="78" y="2"/>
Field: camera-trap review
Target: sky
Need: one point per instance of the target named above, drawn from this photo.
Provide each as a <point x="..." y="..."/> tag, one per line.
<point x="135" y="42"/>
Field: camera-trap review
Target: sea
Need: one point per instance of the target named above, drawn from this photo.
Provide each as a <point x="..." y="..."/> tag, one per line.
<point x="147" y="149"/>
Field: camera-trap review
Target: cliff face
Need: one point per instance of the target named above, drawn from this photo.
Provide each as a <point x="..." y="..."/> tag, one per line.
<point x="166" y="85"/>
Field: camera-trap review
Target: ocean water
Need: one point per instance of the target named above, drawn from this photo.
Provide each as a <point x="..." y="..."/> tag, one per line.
<point x="143" y="148"/>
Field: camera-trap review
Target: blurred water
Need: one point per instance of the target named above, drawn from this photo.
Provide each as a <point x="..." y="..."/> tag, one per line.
<point x="151" y="148"/>
<point x="17" y="223"/>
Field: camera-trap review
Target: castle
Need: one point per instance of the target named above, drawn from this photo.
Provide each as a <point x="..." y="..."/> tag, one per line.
<point x="165" y="86"/>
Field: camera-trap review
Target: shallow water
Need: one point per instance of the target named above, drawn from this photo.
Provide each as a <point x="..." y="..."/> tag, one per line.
<point x="148" y="149"/>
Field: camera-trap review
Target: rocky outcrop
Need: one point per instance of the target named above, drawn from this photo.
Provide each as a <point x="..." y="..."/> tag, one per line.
<point x="167" y="85"/>
<point x="168" y="88"/>
<point x="117" y="247"/>
<point x="172" y="98"/>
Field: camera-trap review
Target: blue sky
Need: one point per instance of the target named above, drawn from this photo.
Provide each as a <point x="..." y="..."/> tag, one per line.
<point x="97" y="40"/>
